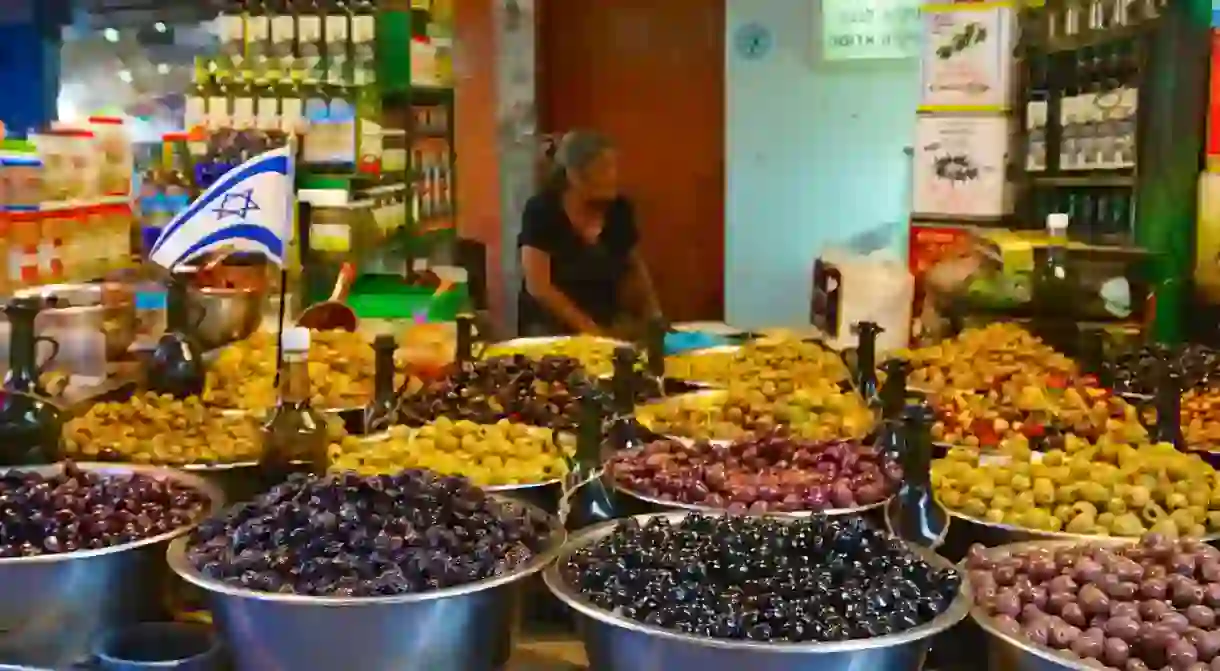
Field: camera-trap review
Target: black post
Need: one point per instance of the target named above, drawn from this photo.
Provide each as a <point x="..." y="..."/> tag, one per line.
<point x="866" y="358"/>
<point x="1168" y="403"/>
<point x="894" y="390"/>
<point x="464" y="350"/>
<point x="654" y="347"/>
<point x="913" y="513"/>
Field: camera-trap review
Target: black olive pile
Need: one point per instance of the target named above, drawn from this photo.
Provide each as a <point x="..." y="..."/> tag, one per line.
<point x="75" y="509"/>
<point x="351" y="536"/>
<point x="1136" y="371"/>
<point x="761" y="579"/>
<point x="517" y="388"/>
<point x="1151" y="605"/>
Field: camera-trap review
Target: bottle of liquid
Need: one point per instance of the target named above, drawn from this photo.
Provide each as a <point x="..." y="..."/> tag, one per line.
<point x="176" y="366"/>
<point x="29" y="422"/>
<point x="1054" y="291"/>
<point x="1168" y="402"/>
<point x="380" y="414"/>
<point x="866" y="359"/>
<point x="295" y="437"/>
<point x="591" y="502"/>
<point x="913" y="513"/>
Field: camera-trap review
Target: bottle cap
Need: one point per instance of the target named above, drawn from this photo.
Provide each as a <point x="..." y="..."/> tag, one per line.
<point x="296" y="339"/>
<point x="1057" y="222"/>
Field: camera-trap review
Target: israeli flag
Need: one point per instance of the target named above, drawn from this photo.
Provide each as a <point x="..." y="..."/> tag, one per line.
<point x="250" y="209"/>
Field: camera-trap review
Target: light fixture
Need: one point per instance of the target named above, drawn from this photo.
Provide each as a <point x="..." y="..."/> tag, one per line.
<point x="163" y="68"/>
<point x="111" y="35"/>
<point x="160" y="27"/>
<point x="125" y="75"/>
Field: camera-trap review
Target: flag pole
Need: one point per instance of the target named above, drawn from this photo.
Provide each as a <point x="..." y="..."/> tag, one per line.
<point x="281" y="322"/>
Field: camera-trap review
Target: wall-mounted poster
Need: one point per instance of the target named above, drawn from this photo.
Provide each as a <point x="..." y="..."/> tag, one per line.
<point x="861" y="30"/>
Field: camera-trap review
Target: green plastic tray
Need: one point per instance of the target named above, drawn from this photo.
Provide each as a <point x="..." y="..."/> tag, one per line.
<point x="387" y="297"/>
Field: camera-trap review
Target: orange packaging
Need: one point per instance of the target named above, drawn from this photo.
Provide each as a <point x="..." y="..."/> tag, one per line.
<point x="5" y="279"/>
<point x="25" y="238"/>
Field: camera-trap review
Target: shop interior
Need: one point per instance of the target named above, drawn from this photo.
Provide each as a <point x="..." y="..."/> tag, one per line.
<point x="561" y="335"/>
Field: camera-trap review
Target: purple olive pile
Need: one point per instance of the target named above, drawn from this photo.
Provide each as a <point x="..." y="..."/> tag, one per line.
<point x="74" y="510"/>
<point x="761" y="579"/>
<point x="770" y="474"/>
<point x="351" y="536"/>
<point x="517" y="388"/>
<point x="1140" y="607"/>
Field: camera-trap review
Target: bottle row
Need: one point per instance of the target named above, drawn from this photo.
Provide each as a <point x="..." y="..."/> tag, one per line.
<point x="1099" y="215"/>
<point x="1071" y="18"/>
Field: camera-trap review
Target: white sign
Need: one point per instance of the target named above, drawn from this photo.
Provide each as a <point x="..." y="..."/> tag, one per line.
<point x="857" y="30"/>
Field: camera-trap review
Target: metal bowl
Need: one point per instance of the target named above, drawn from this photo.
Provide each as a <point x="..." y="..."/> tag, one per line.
<point x="106" y="308"/>
<point x="1013" y="653"/>
<point x="455" y="629"/>
<point x="226" y="315"/>
<point x="616" y="643"/>
<point x="55" y="606"/>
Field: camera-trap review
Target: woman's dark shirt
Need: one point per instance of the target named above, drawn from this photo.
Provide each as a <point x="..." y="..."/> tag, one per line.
<point x="588" y="274"/>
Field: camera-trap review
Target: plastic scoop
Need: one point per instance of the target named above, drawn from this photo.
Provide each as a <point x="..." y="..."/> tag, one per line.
<point x="333" y="314"/>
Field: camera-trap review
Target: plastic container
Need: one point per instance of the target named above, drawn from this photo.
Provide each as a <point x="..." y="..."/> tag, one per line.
<point x="25" y="237"/>
<point x="58" y="224"/>
<point x="70" y="159"/>
<point x="92" y="234"/>
<point x="115" y="163"/>
<point x="117" y="220"/>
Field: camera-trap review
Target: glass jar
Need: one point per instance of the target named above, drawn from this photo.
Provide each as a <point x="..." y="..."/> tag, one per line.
<point x="70" y="161"/>
<point x="115" y="163"/>
<point x="22" y="178"/>
<point x="56" y="229"/>
<point x="93" y="241"/>
<point x="117" y="221"/>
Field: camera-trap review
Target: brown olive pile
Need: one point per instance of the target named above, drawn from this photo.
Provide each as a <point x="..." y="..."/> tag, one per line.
<point x="1109" y="489"/>
<point x="810" y="412"/>
<point x="775" y="366"/>
<point x="340" y="372"/>
<point x="1133" y="607"/>
<point x="152" y="429"/>
<point x="596" y="355"/>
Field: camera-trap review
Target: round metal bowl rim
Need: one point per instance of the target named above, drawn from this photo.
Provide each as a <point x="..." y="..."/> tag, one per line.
<point x="226" y="292"/>
<point x="985" y="621"/>
<point x="957" y="611"/>
<point x="175" y="556"/>
<point x="1052" y="535"/>
<point x="546" y="340"/>
<point x="49" y="290"/>
<point x="696" y="508"/>
<point x="214" y="495"/>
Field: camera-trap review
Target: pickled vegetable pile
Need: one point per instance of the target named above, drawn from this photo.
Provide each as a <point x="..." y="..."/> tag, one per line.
<point x="770" y="474"/>
<point x="1107" y="489"/>
<point x="1137" y="607"/>
<point x="504" y="453"/>
<point x="159" y="429"/>
<point x="760" y="579"/>
<point x="75" y="510"/>
<point x="351" y="536"/>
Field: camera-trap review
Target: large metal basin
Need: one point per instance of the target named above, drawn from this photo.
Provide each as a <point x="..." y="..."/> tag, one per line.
<point x="467" y="628"/>
<point x="225" y="315"/>
<point x="55" y="607"/>
<point x="616" y="643"/>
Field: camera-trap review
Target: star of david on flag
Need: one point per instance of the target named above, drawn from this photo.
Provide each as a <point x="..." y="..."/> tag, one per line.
<point x="250" y="209"/>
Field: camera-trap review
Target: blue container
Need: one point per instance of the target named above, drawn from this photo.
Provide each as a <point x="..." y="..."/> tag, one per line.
<point x="159" y="645"/>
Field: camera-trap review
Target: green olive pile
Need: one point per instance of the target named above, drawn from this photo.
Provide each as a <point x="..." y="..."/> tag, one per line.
<point x="1104" y="489"/>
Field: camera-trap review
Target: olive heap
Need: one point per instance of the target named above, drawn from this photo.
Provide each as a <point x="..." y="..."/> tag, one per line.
<point x="773" y="365"/>
<point x="594" y="355"/>
<point x="159" y="429"/>
<point x="504" y="453"/>
<point x="517" y="388"/>
<point x="762" y="579"/>
<point x="1132" y="607"/>
<point x="1136" y="371"/>
<point x="816" y="412"/>
<point x="344" y="535"/>
<point x="1107" y="489"/>
<point x="768" y="474"/>
<point x="74" y="509"/>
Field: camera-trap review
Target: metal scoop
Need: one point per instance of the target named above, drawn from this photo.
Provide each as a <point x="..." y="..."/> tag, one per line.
<point x="333" y="314"/>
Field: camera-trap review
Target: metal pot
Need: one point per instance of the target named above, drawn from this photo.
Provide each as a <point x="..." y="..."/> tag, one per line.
<point x="159" y="645"/>
<point x="108" y="308"/>
<point x="226" y="315"/>
<point x="56" y="606"/>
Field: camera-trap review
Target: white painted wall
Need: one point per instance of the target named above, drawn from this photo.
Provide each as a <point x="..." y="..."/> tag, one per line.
<point x="815" y="155"/>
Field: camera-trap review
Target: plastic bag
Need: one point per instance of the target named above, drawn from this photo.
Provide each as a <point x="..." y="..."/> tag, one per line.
<point x="863" y="281"/>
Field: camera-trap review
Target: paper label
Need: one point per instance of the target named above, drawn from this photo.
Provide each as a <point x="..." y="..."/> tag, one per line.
<point x="267" y="113"/>
<point x="230" y="28"/>
<point x="257" y="28"/>
<point x="364" y="29"/>
<point x="336" y="29"/>
<point x="283" y="29"/>
<point x="309" y="28"/>
<point x="330" y="237"/>
<point x="292" y="117"/>
<point x="218" y="112"/>
<point x="196" y="113"/>
<point x="243" y="113"/>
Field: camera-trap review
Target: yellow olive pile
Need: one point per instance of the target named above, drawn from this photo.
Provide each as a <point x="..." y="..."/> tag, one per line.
<point x="982" y="359"/>
<point x="504" y="453"/>
<point x="1201" y="418"/>
<point x="777" y="366"/>
<point x="820" y="412"/>
<point x="340" y="372"/>
<point x="152" y="429"/>
<point x="1106" y="489"/>
<point x="596" y="355"/>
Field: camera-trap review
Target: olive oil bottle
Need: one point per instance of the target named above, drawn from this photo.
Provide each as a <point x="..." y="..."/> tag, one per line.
<point x="295" y="438"/>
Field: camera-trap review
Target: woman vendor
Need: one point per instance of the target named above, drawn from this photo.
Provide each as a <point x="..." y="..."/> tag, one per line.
<point x="583" y="272"/>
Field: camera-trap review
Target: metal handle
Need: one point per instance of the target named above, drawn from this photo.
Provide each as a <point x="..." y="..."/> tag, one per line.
<point x="54" y="352"/>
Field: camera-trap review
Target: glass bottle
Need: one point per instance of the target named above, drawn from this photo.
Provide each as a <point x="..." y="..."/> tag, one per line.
<point x="866" y="359"/>
<point x="176" y="366"/>
<point x="1054" y="290"/>
<point x="591" y="502"/>
<point x="623" y="389"/>
<point x="295" y="437"/>
<point x="29" y="422"/>
<point x="913" y="514"/>
<point x="379" y="414"/>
